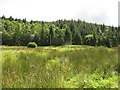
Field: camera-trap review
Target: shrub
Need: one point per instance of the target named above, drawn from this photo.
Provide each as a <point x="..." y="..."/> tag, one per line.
<point x="32" y="45"/>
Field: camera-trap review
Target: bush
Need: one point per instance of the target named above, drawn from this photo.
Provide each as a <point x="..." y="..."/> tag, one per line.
<point x="32" y="45"/>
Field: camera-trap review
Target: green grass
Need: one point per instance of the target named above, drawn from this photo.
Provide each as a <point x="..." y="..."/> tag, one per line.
<point x="59" y="67"/>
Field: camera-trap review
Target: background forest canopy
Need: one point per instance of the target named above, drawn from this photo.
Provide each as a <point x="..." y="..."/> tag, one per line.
<point x="19" y="32"/>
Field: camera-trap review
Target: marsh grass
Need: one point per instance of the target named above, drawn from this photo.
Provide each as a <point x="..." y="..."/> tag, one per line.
<point x="59" y="67"/>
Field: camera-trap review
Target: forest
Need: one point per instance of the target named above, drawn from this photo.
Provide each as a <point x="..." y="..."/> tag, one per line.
<point x="70" y="54"/>
<point x="19" y="32"/>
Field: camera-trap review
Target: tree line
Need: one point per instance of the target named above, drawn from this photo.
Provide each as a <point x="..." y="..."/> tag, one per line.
<point x="60" y="32"/>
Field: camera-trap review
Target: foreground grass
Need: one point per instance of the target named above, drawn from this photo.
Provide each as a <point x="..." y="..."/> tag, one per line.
<point x="60" y="67"/>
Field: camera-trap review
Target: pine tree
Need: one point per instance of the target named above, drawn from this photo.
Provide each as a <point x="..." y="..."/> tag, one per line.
<point x="59" y="37"/>
<point x="10" y="18"/>
<point x="68" y="36"/>
<point x="77" y="40"/>
<point x="51" y="33"/>
<point x="108" y="42"/>
<point x="3" y="17"/>
<point x="24" y="20"/>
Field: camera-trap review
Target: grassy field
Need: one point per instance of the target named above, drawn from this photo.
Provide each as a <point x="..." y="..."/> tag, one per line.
<point x="59" y="67"/>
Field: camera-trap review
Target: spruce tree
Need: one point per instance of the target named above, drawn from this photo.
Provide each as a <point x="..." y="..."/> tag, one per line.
<point x="68" y="36"/>
<point x="77" y="40"/>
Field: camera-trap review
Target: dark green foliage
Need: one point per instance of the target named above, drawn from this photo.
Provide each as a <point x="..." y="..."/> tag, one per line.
<point x="59" y="38"/>
<point x="68" y="36"/>
<point x="91" y="39"/>
<point x="51" y="35"/>
<point x="60" y="32"/>
<point x="10" y="18"/>
<point x="108" y="42"/>
<point x="3" y="17"/>
<point x="32" y="45"/>
<point x="77" y="40"/>
<point x="24" y="20"/>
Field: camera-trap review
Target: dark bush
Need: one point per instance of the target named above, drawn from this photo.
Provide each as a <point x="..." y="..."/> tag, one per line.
<point x="32" y="45"/>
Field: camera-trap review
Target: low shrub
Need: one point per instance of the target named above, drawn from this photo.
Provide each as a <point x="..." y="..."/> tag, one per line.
<point x="32" y="45"/>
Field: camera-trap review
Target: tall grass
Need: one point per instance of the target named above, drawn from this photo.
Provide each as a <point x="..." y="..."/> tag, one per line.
<point x="60" y="67"/>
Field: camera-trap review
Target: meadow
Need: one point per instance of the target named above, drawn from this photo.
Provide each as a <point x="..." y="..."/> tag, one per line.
<point x="59" y="67"/>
